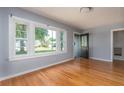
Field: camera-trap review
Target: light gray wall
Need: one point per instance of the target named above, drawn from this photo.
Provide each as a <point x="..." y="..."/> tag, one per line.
<point x="100" y="41"/>
<point x="118" y="42"/>
<point x="10" y="68"/>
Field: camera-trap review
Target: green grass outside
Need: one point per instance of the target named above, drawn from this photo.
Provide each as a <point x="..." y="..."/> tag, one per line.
<point x="38" y="50"/>
<point x="43" y="49"/>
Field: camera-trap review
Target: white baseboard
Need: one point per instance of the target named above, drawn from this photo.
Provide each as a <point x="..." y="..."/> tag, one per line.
<point x="101" y="59"/>
<point x="25" y="72"/>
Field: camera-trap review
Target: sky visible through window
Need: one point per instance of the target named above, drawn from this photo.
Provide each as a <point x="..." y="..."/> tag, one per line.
<point x="52" y="33"/>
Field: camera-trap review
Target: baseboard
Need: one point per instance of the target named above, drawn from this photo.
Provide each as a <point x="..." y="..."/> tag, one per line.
<point x="25" y="72"/>
<point x="101" y="59"/>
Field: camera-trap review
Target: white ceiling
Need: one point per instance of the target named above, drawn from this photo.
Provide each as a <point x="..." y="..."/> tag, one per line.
<point x="71" y="16"/>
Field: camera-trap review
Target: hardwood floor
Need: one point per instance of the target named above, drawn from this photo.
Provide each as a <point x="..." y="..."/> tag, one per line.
<point x="73" y="73"/>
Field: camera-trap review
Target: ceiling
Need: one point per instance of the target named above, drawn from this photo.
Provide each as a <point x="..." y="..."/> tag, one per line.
<point x="71" y="15"/>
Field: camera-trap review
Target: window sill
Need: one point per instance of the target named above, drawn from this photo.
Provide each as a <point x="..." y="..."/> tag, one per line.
<point x="17" y="58"/>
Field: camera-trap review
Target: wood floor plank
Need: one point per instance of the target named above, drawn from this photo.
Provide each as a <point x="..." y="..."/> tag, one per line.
<point x="77" y="72"/>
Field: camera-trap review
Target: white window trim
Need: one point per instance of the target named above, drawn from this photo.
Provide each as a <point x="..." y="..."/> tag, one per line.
<point x="31" y="40"/>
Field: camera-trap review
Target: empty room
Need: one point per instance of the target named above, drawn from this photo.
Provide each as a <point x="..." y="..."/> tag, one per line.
<point x="61" y="46"/>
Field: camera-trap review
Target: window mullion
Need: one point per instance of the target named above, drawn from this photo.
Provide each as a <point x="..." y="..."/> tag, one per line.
<point x="31" y="39"/>
<point x="58" y="41"/>
<point x="65" y="41"/>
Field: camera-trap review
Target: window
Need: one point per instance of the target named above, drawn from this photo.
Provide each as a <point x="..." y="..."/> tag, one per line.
<point x="45" y="40"/>
<point x="21" y="39"/>
<point x="62" y="40"/>
<point x="31" y="39"/>
<point x="84" y="41"/>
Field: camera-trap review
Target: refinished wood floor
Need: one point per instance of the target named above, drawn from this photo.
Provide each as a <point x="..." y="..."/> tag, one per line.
<point x="76" y="72"/>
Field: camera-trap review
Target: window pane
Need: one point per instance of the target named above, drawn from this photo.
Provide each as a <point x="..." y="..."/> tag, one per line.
<point x="52" y="39"/>
<point x="21" y="30"/>
<point x="21" y="47"/>
<point x="21" y="27"/>
<point x="62" y="40"/>
<point x="21" y="34"/>
<point x="45" y="40"/>
<point x="84" y="41"/>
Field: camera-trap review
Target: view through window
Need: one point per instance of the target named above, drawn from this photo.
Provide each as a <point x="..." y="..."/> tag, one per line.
<point x="21" y="39"/>
<point x="29" y="38"/>
<point x="45" y="40"/>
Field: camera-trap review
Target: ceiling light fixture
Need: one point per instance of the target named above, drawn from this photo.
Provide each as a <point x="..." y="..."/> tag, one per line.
<point x="85" y="9"/>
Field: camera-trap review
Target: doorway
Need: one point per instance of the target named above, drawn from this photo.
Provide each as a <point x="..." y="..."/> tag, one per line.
<point x="117" y="44"/>
<point x="81" y="45"/>
<point x="85" y="45"/>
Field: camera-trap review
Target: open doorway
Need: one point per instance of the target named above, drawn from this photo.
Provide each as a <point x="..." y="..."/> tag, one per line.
<point x="118" y="45"/>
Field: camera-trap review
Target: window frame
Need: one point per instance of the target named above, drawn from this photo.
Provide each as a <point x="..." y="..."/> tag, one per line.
<point x="27" y="45"/>
<point x="31" y="39"/>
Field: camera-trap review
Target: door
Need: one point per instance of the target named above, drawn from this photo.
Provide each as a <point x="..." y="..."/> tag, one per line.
<point x="77" y="47"/>
<point x="85" y="45"/>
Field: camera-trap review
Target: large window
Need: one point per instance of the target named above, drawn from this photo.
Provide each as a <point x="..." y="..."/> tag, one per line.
<point x="29" y="39"/>
<point x="45" y="40"/>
